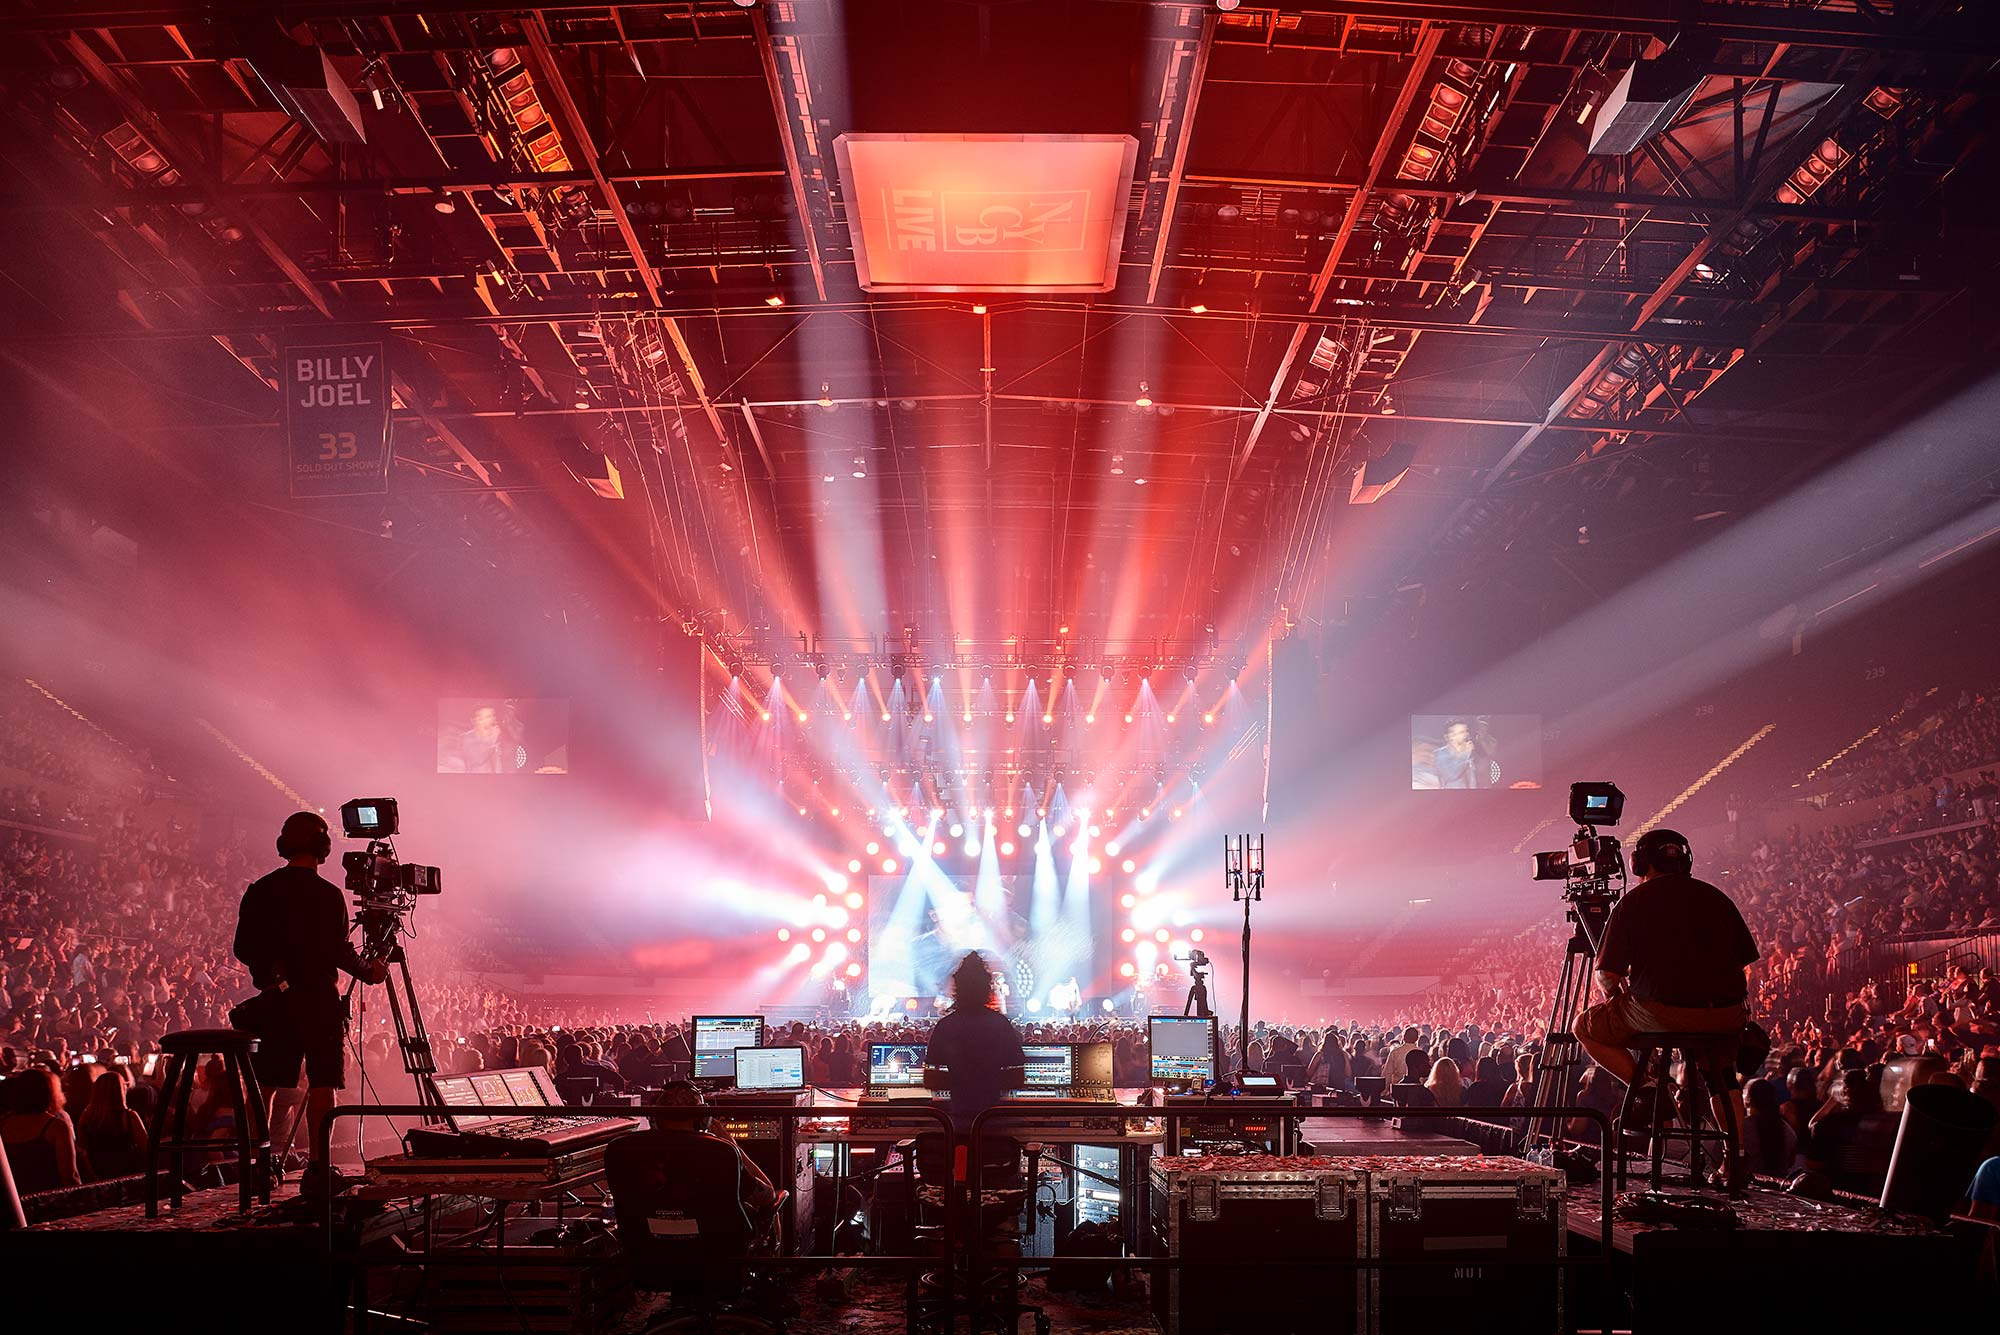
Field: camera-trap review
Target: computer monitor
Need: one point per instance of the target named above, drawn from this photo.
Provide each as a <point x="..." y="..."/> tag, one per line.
<point x="896" y="1065"/>
<point x="1049" y="1066"/>
<point x="778" y="1070"/>
<point x="1181" y="1048"/>
<point x="716" y="1038"/>
<point x="1091" y="1066"/>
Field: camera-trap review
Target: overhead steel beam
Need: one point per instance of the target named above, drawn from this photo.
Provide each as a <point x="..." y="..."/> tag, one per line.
<point x="1871" y="27"/>
<point x="1413" y="82"/>
<point x="781" y="111"/>
<point x="1184" y="132"/>
<point x="1765" y="182"/>
<point x="1534" y="196"/>
<point x="577" y="133"/>
<point x="456" y="182"/>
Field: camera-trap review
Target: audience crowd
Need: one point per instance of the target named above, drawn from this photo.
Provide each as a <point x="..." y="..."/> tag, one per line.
<point x="115" y="927"/>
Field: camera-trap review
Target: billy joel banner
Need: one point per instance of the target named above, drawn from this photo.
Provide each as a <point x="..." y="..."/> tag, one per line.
<point x="336" y="419"/>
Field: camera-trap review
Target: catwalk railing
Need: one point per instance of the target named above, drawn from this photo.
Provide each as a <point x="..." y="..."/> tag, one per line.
<point x="1169" y="1117"/>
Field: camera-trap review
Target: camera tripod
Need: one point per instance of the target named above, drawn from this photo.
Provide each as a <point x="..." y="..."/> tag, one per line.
<point x="1560" y="1067"/>
<point x="381" y="941"/>
<point x="1197" y="997"/>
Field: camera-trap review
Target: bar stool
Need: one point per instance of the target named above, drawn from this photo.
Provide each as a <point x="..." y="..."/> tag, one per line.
<point x="1698" y="1054"/>
<point x="252" y="1141"/>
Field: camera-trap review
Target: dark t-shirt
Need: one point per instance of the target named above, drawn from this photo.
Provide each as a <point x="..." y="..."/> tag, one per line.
<point x="1680" y="942"/>
<point x="293" y="926"/>
<point x="975" y="1045"/>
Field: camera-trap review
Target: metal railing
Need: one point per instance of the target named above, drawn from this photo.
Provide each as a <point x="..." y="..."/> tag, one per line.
<point x="1170" y="1117"/>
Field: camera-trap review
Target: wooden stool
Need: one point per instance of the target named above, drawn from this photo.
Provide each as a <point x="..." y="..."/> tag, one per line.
<point x="1656" y="1052"/>
<point x="252" y="1141"/>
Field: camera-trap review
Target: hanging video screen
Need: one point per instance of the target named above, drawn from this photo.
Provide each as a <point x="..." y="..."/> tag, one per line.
<point x="1475" y="751"/>
<point x="503" y="735"/>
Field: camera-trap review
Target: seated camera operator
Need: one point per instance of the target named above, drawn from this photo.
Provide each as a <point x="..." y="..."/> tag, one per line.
<point x="291" y="933"/>
<point x="1672" y="960"/>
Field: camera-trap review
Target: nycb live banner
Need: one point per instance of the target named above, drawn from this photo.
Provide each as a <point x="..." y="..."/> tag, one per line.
<point x="337" y="419"/>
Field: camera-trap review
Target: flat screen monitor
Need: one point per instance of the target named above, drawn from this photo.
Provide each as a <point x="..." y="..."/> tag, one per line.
<point x="716" y="1038"/>
<point x="1091" y="1066"/>
<point x="1251" y="1082"/>
<point x="895" y="1065"/>
<point x="1181" y="1048"/>
<point x="779" y="1070"/>
<point x="1049" y="1066"/>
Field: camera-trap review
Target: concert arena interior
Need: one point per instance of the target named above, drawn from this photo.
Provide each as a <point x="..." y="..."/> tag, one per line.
<point x="866" y="666"/>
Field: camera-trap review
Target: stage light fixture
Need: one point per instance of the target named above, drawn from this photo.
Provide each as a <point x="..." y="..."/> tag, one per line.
<point x="1195" y="935"/>
<point x="802" y="719"/>
<point x="1127" y="969"/>
<point x="1177" y="813"/>
<point x="937" y="848"/>
<point x="1025" y="829"/>
<point x="767" y="716"/>
<point x="854" y="934"/>
<point x="1048" y="718"/>
<point x="873" y="848"/>
<point x="1096" y="866"/>
<point x="1128" y="718"/>
<point x="443" y="204"/>
<point x="1162" y="936"/>
<point x="1112" y="847"/>
<point x="1207" y="719"/>
<point x="1129" y="935"/>
<point x="1090" y="718"/>
<point x="1129" y="865"/>
<point x="774" y="300"/>
<point x="888" y="866"/>
<point x="854" y="969"/>
<point x="854" y="864"/>
<point x="1010" y="718"/>
<point x="979" y="308"/>
<point x="1228" y="6"/>
<point x="1006" y="848"/>
<point x="784" y="933"/>
<point x="972" y="848"/>
<point x="819" y="933"/>
<point x="967" y="717"/>
<point x="1197" y="309"/>
<point x="885" y="716"/>
<point x="929" y="719"/>
<point x="819" y="901"/>
<point x="1128" y="900"/>
<point x="957" y="830"/>
<point x="1145" y="399"/>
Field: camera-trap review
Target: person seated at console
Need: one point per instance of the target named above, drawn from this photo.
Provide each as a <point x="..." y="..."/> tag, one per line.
<point x="1672" y="961"/>
<point x="758" y="1195"/>
<point x="975" y="1052"/>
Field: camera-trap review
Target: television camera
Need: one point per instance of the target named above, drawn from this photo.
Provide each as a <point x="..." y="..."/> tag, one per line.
<point x="1592" y="861"/>
<point x="385" y="893"/>
<point x="384" y="888"/>
<point x="1592" y="870"/>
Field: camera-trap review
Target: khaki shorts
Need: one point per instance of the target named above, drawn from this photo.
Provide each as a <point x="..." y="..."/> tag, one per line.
<point x="1613" y="1023"/>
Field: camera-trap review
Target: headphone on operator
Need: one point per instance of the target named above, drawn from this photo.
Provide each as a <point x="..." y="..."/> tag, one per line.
<point x="1661" y="851"/>
<point x="305" y="835"/>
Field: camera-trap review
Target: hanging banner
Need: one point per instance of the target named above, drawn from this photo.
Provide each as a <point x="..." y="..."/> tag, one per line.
<point x="336" y="418"/>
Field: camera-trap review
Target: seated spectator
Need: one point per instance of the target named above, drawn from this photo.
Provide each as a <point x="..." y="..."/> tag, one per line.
<point x="41" y="1142"/>
<point x="1490" y="1089"/>
<point x="1447" y="1090"/>
<point x="1851" y="1145"/>
<point x="1770" y="1146"/>
<point x="1410" y="1091"/>
<point x="114" y="1136"/>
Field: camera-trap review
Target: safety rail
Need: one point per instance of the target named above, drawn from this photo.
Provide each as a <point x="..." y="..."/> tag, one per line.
<point x="912" y="1112"/>
<point x="1170" y="1116"/>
